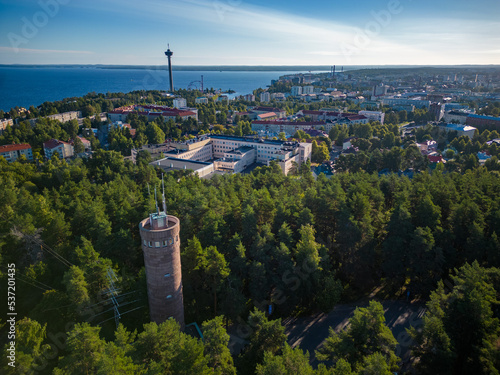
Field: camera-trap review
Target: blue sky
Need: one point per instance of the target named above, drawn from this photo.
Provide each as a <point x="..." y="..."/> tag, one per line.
<point x="250" y="32"/>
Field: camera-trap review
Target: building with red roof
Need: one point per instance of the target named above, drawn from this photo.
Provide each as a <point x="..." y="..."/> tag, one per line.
<point x="280" y="113"/>
<point x="435" y="159"/>
<point x="64" y="149"/>
<point x="13" y="152"/>
<point x="267" y="116"/>
<point x="86" y="143"/>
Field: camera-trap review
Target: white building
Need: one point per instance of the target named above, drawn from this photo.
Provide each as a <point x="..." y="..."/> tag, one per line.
<point x="289" y="127"/>
<point x="64" y="149"/>
<point x="223" y="99"/>
<point x="265" y="97"/>
<point x="169" y="163"/>
<point x="249" y="97"/>
<point x="380" y="90"/>
<point x="373" y="116"/>
<point x="308" y="90"/>
<point x="237" y="160"/>
<point x="460" y="129"/>
<point x="402" y="102"/>
<point x="201" y="100"/>
<point x="296" y="90"/>
<point x="456" y="116"/>
<point x="234" y="154"/>
<point x="13" y="152"/>
<point x="4" y="123"/>
<point x="278" y="96"/>
<point x="61" y="117"/>
<point x="180" y="103"/>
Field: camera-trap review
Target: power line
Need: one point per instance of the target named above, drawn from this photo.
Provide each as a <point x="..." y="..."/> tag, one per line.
<point x="27" y="282"/>
<point x="43" y="246"/>
<point x="20" y="277"/>
<point x="126" y="312"/>
<point x="109" y="299"/>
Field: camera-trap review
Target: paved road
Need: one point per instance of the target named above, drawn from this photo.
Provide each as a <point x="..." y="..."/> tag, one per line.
<point x="309" y="333"/>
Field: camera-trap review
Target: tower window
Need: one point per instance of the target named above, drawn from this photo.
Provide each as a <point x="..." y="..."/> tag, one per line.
<point x="164" y="243"/>
<point x="167" y="275"/>
<point x="150" y="244"/>
<point x="169" y="296"/>
<point x="157" y="244"/>
<point x="145" y="243"/>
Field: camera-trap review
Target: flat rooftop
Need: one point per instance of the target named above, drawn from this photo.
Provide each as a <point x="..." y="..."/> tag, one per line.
<point x="254" y="140"/>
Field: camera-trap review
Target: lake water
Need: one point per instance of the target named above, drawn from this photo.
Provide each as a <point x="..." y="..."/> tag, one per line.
<point x="32" y="86"/>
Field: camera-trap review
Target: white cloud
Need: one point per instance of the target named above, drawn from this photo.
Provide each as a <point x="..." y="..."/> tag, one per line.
<point x="42" y="51"/>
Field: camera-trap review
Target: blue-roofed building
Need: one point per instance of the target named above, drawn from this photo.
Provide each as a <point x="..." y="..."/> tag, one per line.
<point x="460" y="129"/>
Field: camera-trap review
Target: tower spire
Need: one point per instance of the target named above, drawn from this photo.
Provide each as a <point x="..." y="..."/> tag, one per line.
<point x="156" y="203"/>
<point x="163" y="196"/>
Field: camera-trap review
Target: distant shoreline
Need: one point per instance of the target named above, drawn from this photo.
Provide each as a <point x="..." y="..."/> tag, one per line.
<point x="249" y="68"/>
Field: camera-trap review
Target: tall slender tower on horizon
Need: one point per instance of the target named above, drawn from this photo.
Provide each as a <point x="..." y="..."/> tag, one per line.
<point x="162" y="259"/>
<point x="169" y="54"/>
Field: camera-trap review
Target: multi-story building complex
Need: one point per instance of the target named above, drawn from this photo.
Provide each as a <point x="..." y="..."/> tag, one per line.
<point x="380" y="90"/>
<point x="234" y="154"/>
<point x="64" y="149"/>
<point x="86" y="143"/>
<point x="4" y="123"/>
<point x="201" y="100"/>
<point x="265" y="97"/>
<point x="13" y="152"/>
<point x="249" y="97"/>
<point x="152" y="112"/>
<point x="437" y="110"/>
<point x="340" y="117"/>
<point x="456" y="116"/>
<point x="307" y="89"/>
<point x="289" y="127"/>
<point x="296" y="90"/>
<point x="180" y="103"/>
<point x="373" y="116"/>
<point x="460" y="129"/>
<point x="223" y="99"/>
<point x="278" y="96"/>
<point x="398" y="102"/>
<point x="483" y="121"/>
<point x="455" y="106"/>
<point x="61" y="117"/>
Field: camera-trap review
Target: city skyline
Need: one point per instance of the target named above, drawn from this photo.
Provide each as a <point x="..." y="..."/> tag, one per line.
<point x="236" y="32"/>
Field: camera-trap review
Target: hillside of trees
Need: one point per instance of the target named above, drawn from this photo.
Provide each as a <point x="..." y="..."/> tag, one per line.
<point x="299" y="244"/>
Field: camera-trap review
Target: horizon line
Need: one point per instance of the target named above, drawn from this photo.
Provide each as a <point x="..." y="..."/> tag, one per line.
<point x="256" y="65"/>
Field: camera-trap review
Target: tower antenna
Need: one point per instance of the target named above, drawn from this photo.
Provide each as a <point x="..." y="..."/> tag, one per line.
<point x="156" y="203"/>
<point x="163" y="195"/>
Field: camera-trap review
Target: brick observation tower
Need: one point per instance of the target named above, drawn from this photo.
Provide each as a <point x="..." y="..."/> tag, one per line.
<point x="162" y="258"/>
